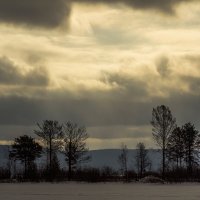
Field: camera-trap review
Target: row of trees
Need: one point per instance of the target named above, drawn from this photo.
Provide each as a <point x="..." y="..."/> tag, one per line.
<point x="142" y="161"/>
<point x="179" y="147"/>
<point x="68" y="139"/>
<point x="26" y="150"/>
<point x="182" y="147"/>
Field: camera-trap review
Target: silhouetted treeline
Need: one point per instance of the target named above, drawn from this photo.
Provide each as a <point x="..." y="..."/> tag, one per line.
<point x="179" y="147"/>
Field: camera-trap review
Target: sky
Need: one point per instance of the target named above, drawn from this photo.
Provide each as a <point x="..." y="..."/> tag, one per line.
<point x="103" y="64"/>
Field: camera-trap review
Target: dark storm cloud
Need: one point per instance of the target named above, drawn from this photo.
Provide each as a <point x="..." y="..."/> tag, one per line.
<point x="127" y="104"/>
<point x="93" y="108"/>
<point x="42" y="13"/>
<point x="10" y="132"/>
<point x="96" y="112"/>
<point x="20" y="110"/>
<point x="166" y="6"/>
<point x="10" y="74"/>
<point x="52" y="13"/>
<point x="91" y="112"/>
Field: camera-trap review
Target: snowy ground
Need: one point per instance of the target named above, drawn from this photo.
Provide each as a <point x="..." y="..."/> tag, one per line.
<point x="108" y="191"/>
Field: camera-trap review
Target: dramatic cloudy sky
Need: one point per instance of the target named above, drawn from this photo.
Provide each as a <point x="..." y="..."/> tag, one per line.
<point x="101" y="63"/>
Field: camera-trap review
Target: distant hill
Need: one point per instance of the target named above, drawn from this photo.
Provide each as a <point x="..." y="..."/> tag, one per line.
<point x="4" y="155"/>
<point x="109" y="157"/>
<point x="99" y="158"/>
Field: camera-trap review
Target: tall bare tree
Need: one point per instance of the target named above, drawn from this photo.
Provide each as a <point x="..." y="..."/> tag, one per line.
<point x="74" y="146"/>
<point x="163" y="124"/>
<point x="123" y="161"/>
<point x="51" y="133"/>
<point x="142" y="159"/>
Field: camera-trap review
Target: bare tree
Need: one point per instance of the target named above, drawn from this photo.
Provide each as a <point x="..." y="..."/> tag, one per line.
<point x="163" y="124"/>
<point x="74" y="146"/>
<point x="51" y="133"/>
<point x="142" y="159"/>
<point x="191" y="145"/>
<point x="123" y="161"/>
<point x="175" y="147"/>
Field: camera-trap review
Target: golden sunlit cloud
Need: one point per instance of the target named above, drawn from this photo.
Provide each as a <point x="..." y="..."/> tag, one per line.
<point x="102" y="65"/>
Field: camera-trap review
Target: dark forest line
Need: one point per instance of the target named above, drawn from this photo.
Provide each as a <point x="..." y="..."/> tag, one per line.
<point x="179" y="147"/>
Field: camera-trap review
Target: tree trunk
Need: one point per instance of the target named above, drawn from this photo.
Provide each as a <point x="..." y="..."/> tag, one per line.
<point x="69" y="170"/>
<point x="70" y="163"/>
<point x="164" y="147"/>
<point x="50" y="159"/>
<point x="25" y="168"/>
<point x="190" y="160"/>
<point x="163" y="164"/>
<point x="141" y="167"/>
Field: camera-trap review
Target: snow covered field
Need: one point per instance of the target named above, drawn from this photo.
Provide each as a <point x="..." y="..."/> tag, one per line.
<point x="100" y="191"/>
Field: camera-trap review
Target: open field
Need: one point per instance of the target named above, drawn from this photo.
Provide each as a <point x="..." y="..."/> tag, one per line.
<point x="100" y="191"/>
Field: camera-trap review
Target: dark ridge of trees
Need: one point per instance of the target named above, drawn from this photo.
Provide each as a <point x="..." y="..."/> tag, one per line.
<point x="179" y="146"/>
<point x="163" y="124"/>
<point x="142" y="159"/>
<point x="74" y="146"/>
<point x="105" y="174"/>
<point x="26" y="150"/>
<point x="51" y="132"/>
<point x="183" y="147"/>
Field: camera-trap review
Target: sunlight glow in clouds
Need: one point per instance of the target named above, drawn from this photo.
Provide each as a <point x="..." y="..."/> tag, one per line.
<point x="104" y="65"/>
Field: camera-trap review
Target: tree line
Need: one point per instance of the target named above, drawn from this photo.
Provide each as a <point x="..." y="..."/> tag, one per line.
<point x="180" y="145"/>
<point x="70" y="139"/>
<point x="179" y="148"/>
